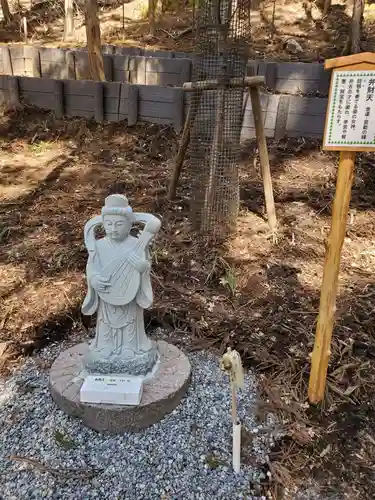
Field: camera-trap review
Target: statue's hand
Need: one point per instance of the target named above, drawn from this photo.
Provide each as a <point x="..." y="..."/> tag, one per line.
<point x="143" y="266"/>
<point x="153" y="225"/>
<point x="100" y="284"/>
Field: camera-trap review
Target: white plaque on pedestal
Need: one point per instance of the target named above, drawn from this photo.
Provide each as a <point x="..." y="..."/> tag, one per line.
<point x="112" y="389"/>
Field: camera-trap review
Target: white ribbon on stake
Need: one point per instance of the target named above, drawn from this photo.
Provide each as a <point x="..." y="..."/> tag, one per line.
<point x="232" y="365"/>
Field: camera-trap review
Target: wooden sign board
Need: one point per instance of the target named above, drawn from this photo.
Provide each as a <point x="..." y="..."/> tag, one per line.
<point x="350" y="127"/>
<point x="350" y="121"/>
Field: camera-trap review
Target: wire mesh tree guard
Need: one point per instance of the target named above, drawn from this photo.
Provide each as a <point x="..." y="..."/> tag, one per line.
<point x="222" y="32"/>
<point x="214" y="121"/>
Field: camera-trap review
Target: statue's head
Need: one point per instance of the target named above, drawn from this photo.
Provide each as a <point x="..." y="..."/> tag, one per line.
<point x="117" y="217"/>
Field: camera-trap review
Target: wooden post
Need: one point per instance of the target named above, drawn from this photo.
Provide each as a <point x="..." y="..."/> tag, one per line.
<point x="321" y="353"/>
<point x="350" y="127"/>
<point x="263" y="158"/>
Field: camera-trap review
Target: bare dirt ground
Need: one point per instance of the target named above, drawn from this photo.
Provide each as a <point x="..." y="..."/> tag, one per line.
<point x="259" y="297"/>
<point x="128" y="25"/>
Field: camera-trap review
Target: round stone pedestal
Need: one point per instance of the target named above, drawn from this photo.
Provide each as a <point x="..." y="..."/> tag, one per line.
<point x="161" y="393"/>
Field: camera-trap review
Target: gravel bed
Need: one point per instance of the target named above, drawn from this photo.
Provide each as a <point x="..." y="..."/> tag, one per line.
<point x="185" y="456"/>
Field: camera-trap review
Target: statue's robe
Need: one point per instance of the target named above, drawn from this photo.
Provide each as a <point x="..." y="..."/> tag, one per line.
<point x="120" y="325"/>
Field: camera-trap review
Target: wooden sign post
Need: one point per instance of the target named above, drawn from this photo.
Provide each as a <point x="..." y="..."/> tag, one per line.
<point x="350" y="127"/>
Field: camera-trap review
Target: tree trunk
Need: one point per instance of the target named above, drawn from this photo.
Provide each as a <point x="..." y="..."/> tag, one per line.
<point x="151" y="16"/>
<point x="307" y="6"/>
<point x="69" y="21"/>
<point x="6" y="11"/>
<point x="94" y="47"/>
<point x="24" y="27"/>
<point x="327" y="7"/>
<point x="356" y="26"/>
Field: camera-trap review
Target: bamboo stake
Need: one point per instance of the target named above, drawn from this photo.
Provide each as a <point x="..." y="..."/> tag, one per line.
<point x="263" y="158"/>
<point x="234" y="405"/>
<point x="322" y="348"/>
<point x="231" y="364"/>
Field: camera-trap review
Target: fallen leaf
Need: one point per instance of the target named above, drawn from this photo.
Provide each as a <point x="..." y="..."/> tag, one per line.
<point x="325" y="451"/>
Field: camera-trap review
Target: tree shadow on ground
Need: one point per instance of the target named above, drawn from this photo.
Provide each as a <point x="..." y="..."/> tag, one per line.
<point x="275" y="333"/>
<point x="306" y="161"/>
<point x="41" y="229"/>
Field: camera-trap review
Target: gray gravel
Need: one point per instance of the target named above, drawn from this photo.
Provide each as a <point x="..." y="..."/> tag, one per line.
<point x="185" y="456"/>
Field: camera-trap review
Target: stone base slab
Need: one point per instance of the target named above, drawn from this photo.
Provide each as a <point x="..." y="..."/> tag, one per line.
<point x="161" y="393"/>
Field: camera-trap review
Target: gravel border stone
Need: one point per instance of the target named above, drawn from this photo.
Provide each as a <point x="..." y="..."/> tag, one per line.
<point x="161" y="393"/>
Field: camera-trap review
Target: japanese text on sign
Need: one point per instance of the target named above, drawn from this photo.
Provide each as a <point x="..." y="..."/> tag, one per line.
<point x="351" y="114"/>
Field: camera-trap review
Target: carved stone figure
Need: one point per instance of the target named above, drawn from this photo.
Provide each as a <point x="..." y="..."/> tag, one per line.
<point x="119" y="289"/>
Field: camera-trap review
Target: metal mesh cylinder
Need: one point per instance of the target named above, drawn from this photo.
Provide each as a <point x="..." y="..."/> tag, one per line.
<point x="222" y="29"/>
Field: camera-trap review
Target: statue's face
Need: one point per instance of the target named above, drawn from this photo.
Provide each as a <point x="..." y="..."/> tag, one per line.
<point x="117" y="227"/>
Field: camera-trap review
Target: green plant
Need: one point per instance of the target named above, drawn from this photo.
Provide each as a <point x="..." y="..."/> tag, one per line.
<point x="213" y="461"/>
<point x="63" y="440"/>
<point x="229" y="279"/>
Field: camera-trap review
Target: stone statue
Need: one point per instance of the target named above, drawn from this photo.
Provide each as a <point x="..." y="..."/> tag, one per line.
<point x="119" y="289"/>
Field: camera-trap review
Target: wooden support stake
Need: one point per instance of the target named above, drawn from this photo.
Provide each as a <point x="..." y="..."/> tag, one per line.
<point x="263" y="157"/>
<point x="322" y="347"/>
<point x="184" y="144"/>
<point x="249" y="81"/>
<point x="252" y="82"/>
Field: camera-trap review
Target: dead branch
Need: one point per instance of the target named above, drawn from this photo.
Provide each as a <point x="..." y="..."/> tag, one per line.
<point x="66" y="473"/>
